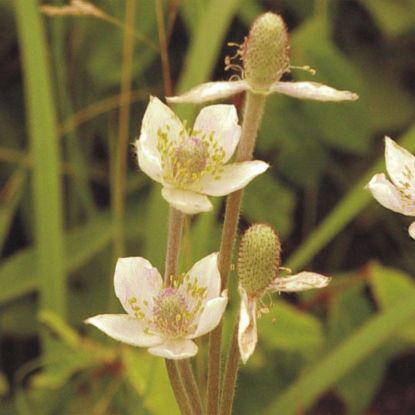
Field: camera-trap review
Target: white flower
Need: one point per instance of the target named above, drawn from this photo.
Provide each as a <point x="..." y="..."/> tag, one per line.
<point x="211" y="91"/>
<point x="164" y="319"/>
<point x="247" y="330"/>
<point x="190" y="164"/>
<point x="399" y="194"/>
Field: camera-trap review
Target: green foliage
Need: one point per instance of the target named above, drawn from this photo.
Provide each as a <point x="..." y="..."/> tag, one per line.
<point x="57" y="229"/>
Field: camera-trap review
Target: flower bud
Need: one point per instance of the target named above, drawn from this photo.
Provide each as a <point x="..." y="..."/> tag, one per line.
<point x="258" y="258"/>
<point x="265" y="52"/>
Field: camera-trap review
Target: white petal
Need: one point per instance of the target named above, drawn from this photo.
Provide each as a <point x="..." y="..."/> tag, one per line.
<point x="389" y="196"/>
<point x="149" y="163"/>
<point x="136" y="282"/>
<point x="411" y="230"/>
<point x="211" y="315"/>
<point x="158" y="116"/>
<point x="175" y="349"/>
<point x="247" y="331"/>
<point x="312" y="90"/>
<point x="186" y="201"/>
<point x="300" y="282"/>
<point x="222" y="121"/>
<point x="210" y="91"/>
<point x="400" y="165"/>
<point x="124" y="328"/>
<point x="205" y="273"/>
<point x="235" y="176"/>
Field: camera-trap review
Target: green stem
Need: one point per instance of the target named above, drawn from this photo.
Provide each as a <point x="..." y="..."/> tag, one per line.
<point x="180" y="373"/>
<point x="178" y="388"/>
<point x="174" y="238"/>
<point x="231" y="374"/>
<point x="254" y="107"/>
<point x="190" y="386"/>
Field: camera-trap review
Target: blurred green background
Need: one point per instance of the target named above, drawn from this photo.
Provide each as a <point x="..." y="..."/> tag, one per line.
<point x="72" y="200"/>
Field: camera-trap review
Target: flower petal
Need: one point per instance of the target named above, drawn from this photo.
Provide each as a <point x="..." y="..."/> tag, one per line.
<point x="222" y="121"/>
<point x="312" y="90"/>
<point x="158" y="116"/>
<point x="186" y="201"/>
<point x="389" y="196"/>
<point x="247" y="331"/>
<point x="149" y="163"/>
<point x="400" y="165"/>
<point x="210" y="91"/>
<point x="175" y="349"/>
<point x="136" y="282"/>
<point x="300" y="282"/>
<point x="411" y="230"/>
<point x="235" y="176"/>
<point x="124" y="328"/>
<point x="205" y="273"/>
<point x="211" y="315"/>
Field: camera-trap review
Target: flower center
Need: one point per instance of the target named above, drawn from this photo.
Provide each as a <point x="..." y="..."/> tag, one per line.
<point x="171" y="315"/>
<point x="189" y="157"/>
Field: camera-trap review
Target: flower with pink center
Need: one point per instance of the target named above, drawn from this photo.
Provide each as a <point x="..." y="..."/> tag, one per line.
<point x="399" y="193"/>
<point x="191" y="163"/>
<point x="164" y="319"/>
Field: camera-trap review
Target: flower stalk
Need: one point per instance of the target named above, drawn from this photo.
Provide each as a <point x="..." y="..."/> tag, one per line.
<point x="253" y="111"/>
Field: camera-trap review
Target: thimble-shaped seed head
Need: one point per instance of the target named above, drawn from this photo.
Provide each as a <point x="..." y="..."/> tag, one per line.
<point x="265" y="52"/>
<point x="258" y="258"/>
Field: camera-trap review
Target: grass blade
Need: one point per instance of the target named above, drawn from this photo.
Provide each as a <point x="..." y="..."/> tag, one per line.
<point x="42" y="129"/>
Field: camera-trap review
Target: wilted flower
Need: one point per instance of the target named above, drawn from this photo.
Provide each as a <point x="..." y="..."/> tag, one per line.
<point x="264" y="56"/>
<point x="190" y="163"/>
<point x="398" y="195"/>
<point x="258" y="268"/>
<point x="164" y="319"/>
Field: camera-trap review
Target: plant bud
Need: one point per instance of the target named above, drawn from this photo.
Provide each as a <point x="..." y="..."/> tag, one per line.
<point x="265" y="52"/>
<point x="258" y="258"/>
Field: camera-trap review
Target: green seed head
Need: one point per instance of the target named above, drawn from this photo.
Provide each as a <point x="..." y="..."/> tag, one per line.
<point x="265" y="52"/>
<point x="258" y="258"/>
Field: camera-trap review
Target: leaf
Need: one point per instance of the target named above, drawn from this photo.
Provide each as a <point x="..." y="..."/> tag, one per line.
<point x="394" y="17"/>
<point x="17" y="275"/>
<point x="374" y="333"/>
<point x="267" y="200"/>
<point x="47" y="188"/>
<point x="148" y="376"/>
<point x="349" y="309"/>
<point x="345" y="211"/>
<point x="342" y="125"/>
<point x="389" y="287"/>
<point x="292" y="331"/>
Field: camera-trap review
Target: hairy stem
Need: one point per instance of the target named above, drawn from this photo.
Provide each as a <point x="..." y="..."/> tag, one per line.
<point x="178" y="388"/>
<point x="190" y="386"/>
<point x="254" y="107"/>
<point x="174" y="238"/>
<point x="180" y="373"/>
<point x="231" y="374"/>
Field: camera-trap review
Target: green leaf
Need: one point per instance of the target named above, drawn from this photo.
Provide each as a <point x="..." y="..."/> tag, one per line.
<point x="393" y="17"/>
<point x="47" y="189"/>
<point x="341" y="125"/>
<point x="389" y="287"/>
<point x="345" y="357"/>
<point x="349" y="308"/>
<point x="267" y="200"/>
<point x="290" y="329"/>
<point x="18" y="277"/>
<point x="148" y="376"/>
<point x="344" y="212"/>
